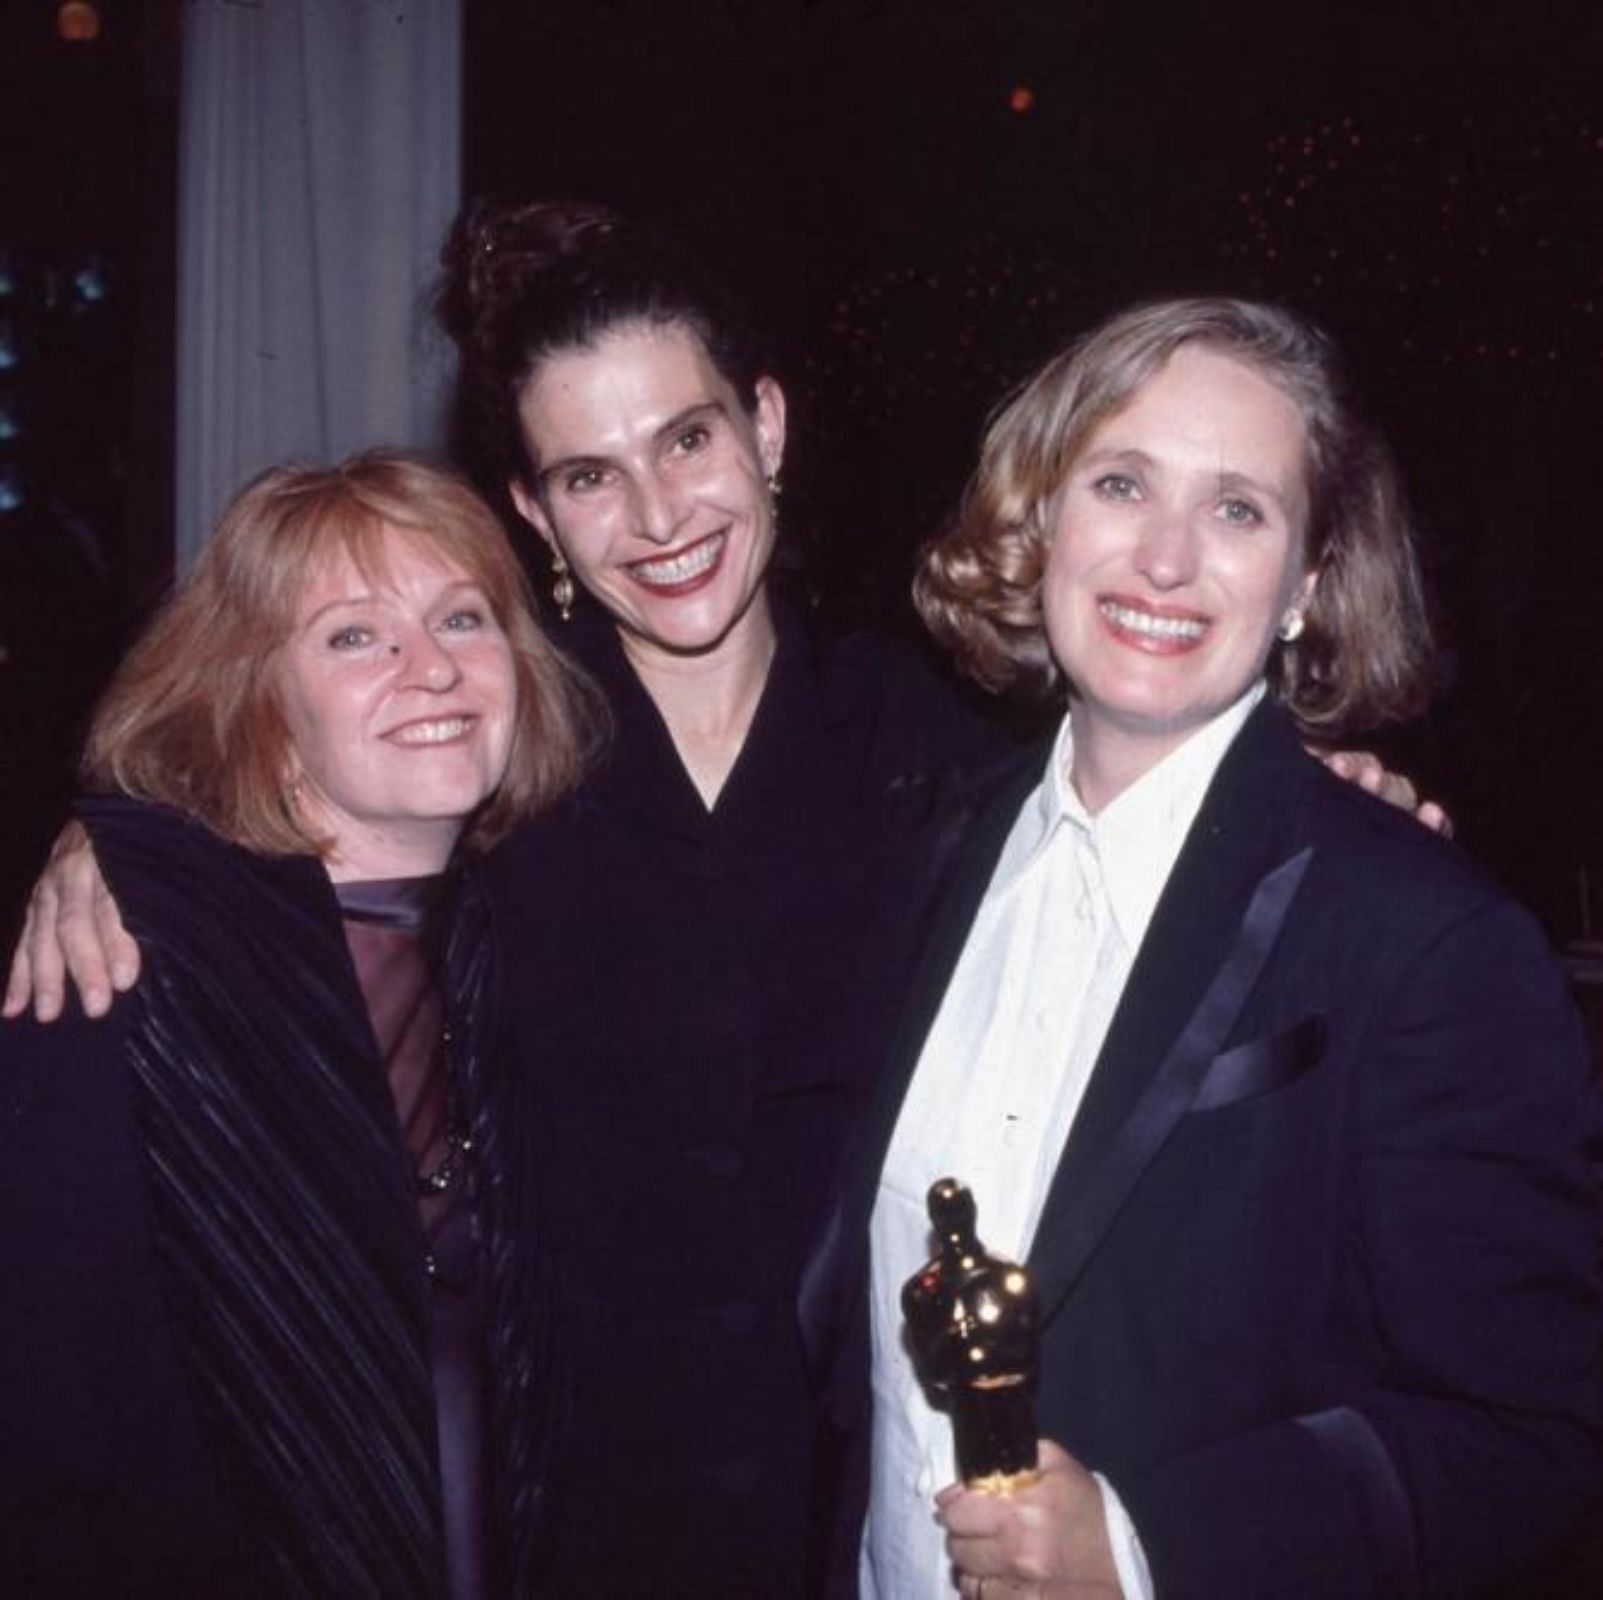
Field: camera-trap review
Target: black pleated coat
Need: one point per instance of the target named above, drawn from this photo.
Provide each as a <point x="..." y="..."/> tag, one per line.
<point x="214" y="1372"/>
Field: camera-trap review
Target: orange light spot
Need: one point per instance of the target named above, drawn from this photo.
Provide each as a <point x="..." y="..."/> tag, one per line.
<point x="77" y="21"/>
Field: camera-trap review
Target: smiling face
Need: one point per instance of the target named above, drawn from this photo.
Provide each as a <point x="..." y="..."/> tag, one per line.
<point x="1176" y="551"/>
<point x="652" y="482"/>
<point x="398" y="696"/>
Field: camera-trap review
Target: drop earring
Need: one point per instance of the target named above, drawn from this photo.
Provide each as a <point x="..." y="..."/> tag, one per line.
<point x="561" y="584"/>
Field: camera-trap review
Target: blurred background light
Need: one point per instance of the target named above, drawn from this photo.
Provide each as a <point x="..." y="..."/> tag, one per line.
<point x="89" y="282"/>
<point x="77" y="21"/>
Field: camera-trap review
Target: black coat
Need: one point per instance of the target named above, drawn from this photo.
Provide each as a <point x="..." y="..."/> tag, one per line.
<point x="1318" y="1265"/>
<point x="214" y="1362"/>
<point x="697" y="1003"/>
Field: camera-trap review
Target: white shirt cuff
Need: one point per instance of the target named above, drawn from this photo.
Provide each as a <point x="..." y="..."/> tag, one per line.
<point x="1129" y="1559"/>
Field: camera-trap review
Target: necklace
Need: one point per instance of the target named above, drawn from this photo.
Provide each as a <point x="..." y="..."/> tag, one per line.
<point x="458" y="1147"/>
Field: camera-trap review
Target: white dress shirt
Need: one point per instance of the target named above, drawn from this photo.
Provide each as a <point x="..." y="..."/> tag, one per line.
<point x="996" y="1091"/>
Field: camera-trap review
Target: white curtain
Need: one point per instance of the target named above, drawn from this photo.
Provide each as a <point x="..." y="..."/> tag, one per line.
<point x="319" y="169"/>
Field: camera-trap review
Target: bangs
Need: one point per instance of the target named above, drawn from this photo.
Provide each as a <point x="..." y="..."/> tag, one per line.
<point x="365" y="531"/>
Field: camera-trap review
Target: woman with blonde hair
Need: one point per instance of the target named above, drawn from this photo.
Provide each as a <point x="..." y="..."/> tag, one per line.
<point x="257" y="1225"/>
<point x="1281" y="1100"/>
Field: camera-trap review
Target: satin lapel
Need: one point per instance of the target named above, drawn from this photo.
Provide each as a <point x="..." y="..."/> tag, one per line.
<point x="1214" y="928"/>
<point x="834" y="1276"/>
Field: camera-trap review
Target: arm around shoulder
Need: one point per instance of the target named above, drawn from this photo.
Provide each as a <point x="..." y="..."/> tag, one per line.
<point x="74" y="930"/>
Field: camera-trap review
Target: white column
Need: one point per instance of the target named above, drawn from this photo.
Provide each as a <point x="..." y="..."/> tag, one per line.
<point x="319" y="169"/>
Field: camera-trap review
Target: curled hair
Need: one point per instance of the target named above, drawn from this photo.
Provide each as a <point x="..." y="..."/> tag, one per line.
<point x="192" y="718"/>
<point x="524" y="280"/>
<point x="1365" y="655"/>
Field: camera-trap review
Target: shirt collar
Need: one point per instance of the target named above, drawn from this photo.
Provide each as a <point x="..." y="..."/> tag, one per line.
<point x="1137" y="836"/>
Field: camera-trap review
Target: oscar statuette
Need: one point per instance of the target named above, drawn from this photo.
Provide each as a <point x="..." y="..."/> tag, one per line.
<point x="973" y="1331"/>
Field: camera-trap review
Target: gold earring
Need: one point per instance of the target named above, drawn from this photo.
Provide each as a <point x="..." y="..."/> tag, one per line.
<point x="561" y="585"/>
<point x="775" y="487"/>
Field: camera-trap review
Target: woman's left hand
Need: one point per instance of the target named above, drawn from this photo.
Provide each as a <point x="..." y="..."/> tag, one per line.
<point x="1366" y="769"/>
<point x="1048" y="1539"/>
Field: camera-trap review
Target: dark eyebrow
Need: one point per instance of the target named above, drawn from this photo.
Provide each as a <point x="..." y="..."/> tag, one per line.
<point x="567" y="464"/>
<point x="703" y="410"/>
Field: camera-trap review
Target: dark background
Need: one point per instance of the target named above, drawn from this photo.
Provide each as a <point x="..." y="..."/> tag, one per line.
<point x="1426" y="179"/>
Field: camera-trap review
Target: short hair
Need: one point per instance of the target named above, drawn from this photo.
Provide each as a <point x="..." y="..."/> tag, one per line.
<point x="524" y="280"/>
<point x="192" y="718"/>
<point x="1365" y="654"/>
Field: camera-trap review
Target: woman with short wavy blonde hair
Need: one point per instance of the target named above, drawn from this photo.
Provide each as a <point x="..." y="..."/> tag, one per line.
<point x="1365" y="651"/>
<point x="1282" y="1101"/>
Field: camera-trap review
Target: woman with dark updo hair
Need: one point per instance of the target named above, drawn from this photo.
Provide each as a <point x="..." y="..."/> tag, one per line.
<point x="686" y="945"/>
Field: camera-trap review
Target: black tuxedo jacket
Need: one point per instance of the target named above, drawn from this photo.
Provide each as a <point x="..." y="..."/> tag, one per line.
<point x="1318" y="1263"/>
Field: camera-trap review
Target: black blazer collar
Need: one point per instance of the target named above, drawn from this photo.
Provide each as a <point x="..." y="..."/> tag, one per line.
<point x="1215" y="922"/>
<point x="1214" y="927"/>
